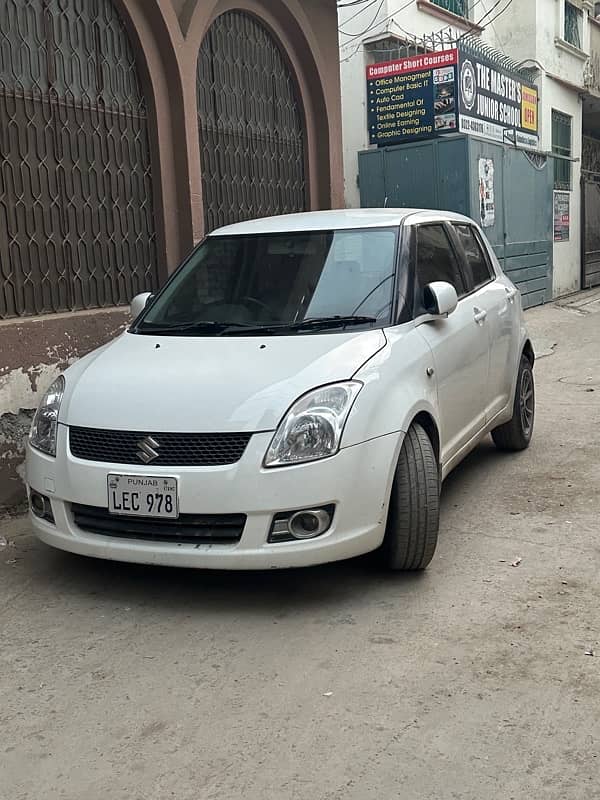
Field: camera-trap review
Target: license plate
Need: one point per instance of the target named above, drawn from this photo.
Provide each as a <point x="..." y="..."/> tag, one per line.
<point x="143" y="496"/>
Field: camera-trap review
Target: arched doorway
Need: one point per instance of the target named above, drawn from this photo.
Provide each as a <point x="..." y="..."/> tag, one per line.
<point x="77" y="226"/>
<point x="252" y="138"/>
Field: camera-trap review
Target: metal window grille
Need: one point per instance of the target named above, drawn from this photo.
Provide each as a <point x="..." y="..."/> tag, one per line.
<point x="561" y="146"/>
<point x="392" y="48"/>
<point x="459" y="7"/>
<point x="590" y="158"/>
<point x="252" y="141"/>
<point x="76" y="218"/>
<point x="573" y="19"/>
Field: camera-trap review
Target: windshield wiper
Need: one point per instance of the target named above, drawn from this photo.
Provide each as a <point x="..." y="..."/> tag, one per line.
<point x="189" y="327"/>
<point x="313" y="323"/>
<point x="331" y="322"/>
<point x="223" y="328"/>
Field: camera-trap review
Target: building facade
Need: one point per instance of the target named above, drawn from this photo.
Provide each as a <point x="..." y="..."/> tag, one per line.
<point x="129" y="129"/>
<point x="554" y="40"/>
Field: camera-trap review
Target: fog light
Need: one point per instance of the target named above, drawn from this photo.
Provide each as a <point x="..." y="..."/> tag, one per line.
<point x="305" y="524"/>
<point x="41" y="507"/>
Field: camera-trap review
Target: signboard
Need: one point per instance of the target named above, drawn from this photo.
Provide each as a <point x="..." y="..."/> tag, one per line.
<point x="487" y="204"/>
<point x="424" y="96"/>
<point x="412" y="98"/>
<point x="562" y="216"/>
<point x="495" y="103"/>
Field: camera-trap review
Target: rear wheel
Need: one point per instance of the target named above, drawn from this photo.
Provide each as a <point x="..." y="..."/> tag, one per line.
<point x="414" y="513"/>
<point x="517" y="432"/>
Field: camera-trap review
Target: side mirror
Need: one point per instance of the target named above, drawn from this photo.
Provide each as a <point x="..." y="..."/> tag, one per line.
<point x="440" y="298"/>
<point x="138" y="304"/>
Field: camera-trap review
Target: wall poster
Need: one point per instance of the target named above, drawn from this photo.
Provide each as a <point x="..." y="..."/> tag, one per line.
<point x="487" y="204"/>
<point x="562" y="216"/>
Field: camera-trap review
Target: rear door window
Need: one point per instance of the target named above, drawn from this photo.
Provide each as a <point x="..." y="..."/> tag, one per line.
<point x="477" y="260"/>
<point x="436" y="261"/>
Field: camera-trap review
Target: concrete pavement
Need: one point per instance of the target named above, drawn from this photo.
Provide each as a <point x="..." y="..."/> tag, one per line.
<point x="341" y="682"/>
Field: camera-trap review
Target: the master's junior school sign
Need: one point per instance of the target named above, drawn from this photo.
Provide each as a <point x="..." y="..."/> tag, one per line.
<point x="433" y="94"/>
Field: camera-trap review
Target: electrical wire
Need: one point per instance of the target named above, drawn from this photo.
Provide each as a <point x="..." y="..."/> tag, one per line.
<point x="352" y="54"/>
<point x="353" y="3"/>
<point x="351" y="36"/>
<point x="370" y="4"/>
<point x="369" y="26"/>
<point x="375" y="21"/>
<point x="380" y="21"/>
<point x="488" y="12"/>
<point x="483" y="21"/>
<point x="473" y="26"/>
<point x="499" y="14"/>
<point x="445" y="28"/>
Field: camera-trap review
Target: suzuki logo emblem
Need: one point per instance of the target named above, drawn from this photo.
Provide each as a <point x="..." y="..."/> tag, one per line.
<point x="147" y="449"/>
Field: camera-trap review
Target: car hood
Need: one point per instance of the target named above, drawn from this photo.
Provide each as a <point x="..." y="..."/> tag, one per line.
<point x="208" y="384"/>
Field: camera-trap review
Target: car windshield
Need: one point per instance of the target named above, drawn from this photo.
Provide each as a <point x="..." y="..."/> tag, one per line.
<point x="279" y="283"/>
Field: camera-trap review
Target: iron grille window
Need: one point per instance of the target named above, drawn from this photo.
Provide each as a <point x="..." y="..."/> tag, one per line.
<point x="573" y="20"/>
<point x="76" y="217"/>
<point x="459" y="7"/>
<point x="392" y="49"/>
<point x="561" y="146"/>
<point x="590" y="156"/>
<point x="252" y="140"/>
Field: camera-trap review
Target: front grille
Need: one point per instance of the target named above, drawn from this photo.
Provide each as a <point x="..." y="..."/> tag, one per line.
<point x="173" y="449"/>
<point x="188" y="528"/>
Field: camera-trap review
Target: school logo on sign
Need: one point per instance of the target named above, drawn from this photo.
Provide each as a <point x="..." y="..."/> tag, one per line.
<point x="468" y="85"/>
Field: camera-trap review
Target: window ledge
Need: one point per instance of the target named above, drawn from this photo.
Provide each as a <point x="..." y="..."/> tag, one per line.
<point x="571" y="49"/>
<point x="448" y="16"/>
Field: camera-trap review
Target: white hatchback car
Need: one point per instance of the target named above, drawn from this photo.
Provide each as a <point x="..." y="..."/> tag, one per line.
<point x="294" y="395"/>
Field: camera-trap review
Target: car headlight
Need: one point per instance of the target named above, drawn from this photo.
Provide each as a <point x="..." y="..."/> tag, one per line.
<point x="45" y="421"/>
<point x="313" y="427"/>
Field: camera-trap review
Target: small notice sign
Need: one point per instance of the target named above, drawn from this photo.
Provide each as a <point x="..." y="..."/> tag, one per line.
<point x="562" y="216"/>
<point x="487" y="204"/>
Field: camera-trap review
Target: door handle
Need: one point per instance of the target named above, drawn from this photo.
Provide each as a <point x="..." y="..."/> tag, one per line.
<point x="480" y="315"/>
<point x="510" y="293"/>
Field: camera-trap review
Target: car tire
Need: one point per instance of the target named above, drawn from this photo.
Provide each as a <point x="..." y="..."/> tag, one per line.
<point x="414" y="511"/>
<point x="516" y="434"/>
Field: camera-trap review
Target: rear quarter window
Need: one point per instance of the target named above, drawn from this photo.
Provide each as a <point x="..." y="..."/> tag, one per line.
<point x="477" y="258"/>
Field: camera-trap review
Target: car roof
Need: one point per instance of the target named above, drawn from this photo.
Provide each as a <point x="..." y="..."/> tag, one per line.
<point x="344" y="219"/>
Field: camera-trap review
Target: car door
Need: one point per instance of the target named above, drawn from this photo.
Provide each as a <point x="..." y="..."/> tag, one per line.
<point x="496" y="298"/>
<point x="458" y="343"/>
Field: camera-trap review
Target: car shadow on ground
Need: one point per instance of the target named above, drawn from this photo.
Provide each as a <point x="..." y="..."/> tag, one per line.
<point x="216" y="591"/>
<point x="485" y="459"/>
<point x="187" y="589"/>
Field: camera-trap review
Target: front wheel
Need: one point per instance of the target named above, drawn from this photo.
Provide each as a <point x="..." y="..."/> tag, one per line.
<point x="517" y="432"/>
<point x="414" y="513"/>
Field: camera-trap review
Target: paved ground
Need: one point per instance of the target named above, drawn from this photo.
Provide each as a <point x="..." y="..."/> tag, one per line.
<point x="337" y="683"/>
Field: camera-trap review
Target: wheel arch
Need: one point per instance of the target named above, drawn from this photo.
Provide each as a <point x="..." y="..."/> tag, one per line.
<point x="425" y="418"/>
<point x="528" y="352"/>
<point x="427" y="422"/>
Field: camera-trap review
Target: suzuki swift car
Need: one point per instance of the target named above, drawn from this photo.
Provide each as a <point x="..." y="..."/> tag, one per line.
<point x="295" y="394"/>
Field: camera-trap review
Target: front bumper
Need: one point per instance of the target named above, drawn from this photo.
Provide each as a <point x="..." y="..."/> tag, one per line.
<point x="357" y="480"/>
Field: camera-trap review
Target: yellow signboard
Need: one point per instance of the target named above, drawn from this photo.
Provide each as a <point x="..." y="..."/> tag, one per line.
<point x="529" y="109"/>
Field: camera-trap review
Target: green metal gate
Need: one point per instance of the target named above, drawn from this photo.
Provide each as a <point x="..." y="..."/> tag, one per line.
<point x="444" y="174"/>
